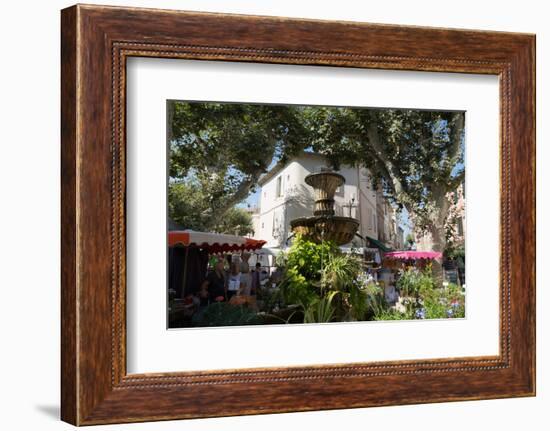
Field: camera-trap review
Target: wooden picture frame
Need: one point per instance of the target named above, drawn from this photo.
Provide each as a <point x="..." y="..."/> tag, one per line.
<point x="95" y="43"/>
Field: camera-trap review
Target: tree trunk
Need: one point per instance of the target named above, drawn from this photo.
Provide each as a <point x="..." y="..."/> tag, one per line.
<point x="438" y="240"/>
<point x="170" y="122"/>
<point x="437" y="220"/>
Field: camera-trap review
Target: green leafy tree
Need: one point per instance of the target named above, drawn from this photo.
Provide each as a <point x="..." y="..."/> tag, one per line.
<point x="187" y="206"/>
<point x="227" y="147"/>
<point x="237" y="222"/>
<point x="416" y="157"/>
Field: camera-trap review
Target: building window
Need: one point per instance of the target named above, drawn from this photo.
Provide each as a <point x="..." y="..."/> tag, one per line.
<point x="279" y="189"/>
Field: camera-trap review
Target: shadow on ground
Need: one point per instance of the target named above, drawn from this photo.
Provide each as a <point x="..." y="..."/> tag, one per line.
<point x="51" y="411"/>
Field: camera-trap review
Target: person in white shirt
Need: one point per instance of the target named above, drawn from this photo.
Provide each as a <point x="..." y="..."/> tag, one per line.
<point x="391" y="295"/>
<point x="233" y="281"/>
<point x="246" y="277"/>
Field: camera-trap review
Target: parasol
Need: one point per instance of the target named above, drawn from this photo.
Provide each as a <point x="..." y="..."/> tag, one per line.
<point x="411" y="254"/>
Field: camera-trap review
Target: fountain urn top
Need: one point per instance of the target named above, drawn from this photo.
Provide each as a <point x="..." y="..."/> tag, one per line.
<point x="324" y="185"/>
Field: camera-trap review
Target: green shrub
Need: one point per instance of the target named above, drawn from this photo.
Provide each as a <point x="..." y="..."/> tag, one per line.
<point x="296" y="288"/>
<point x="341" y="274"/>
<point x="307" y="256"/>
<point x="320" y="310"/>
<point x="393" y="314"/>
<point x="269" y="298"/>
<point x="413" y="282"/>
<point x="426" y="300"/>
<point x="316" y="272"/>
<point x="302" y="274"/>
<point x="225" y="314"/>
<point x="376" y="303"/>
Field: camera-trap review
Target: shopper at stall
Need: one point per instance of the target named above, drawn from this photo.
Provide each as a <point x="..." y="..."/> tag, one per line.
<point x="214" y="287"/>
<point x="234" y="281"/>
<point x="246" y="276"/>
<point x="256" y="279"/>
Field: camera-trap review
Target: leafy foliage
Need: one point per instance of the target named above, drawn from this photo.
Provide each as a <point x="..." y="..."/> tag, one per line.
<point x="428" y="301"/>
<point x="341" y="275"/>
<point x="444" y="303"/>
<point x="417" y="157"/>
<point x="307" y="256"/>
<point x="303" y="263"/>
<point x="324" y="281"/>
<point x="225" y="314"/>
<point x="422" y="150"/>
<point x="296" y="288"/>
<point x="456" y="252"/>
<point x="393" y="314"/>
<point x="320" y="310"/>
<point x="236" y="221"/>
<point x="225" y="148"/>
<point x="413" y="282"/>
<point x="189" y="205"/>
<point x="240" y="136"/>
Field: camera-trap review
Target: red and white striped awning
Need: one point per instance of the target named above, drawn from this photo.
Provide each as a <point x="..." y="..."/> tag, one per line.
<point x="411" y="254"/>
<point x="213" y="242"/>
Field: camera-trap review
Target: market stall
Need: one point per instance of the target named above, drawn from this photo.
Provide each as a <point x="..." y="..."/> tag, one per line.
<point x="189" y="252"/>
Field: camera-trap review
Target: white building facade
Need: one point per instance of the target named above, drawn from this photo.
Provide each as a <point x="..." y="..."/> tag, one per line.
<point x="284" y="196"/>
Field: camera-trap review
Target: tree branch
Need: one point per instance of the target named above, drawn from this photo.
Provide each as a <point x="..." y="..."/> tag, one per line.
<point x="397" y="185"/>
<point x="457" y="129"/>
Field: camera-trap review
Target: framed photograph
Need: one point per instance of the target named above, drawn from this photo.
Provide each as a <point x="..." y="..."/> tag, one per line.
<point x="265" y="215"/>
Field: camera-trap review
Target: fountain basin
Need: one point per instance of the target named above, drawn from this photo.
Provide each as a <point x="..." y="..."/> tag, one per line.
<point x="340" y="230"/>
<point x="324" y="225"/>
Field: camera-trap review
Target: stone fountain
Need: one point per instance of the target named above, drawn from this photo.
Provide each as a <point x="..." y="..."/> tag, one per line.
<point x="324" y="224"/>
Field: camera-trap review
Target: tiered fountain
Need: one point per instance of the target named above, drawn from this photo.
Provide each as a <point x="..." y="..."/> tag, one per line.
<point x="324" y="225"/>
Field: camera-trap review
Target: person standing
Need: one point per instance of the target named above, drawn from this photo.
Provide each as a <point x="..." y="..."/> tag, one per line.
<point x="233" y="281"/>
<point x="256" y="279"/>
<point x="246" y="278"/>
<point x="214" y="287"/>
